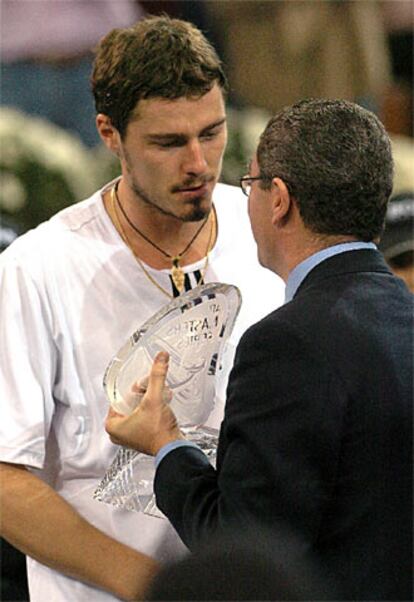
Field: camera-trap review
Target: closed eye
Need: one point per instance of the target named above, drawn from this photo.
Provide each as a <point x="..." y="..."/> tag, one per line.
<point x="210" y="135"/>
<point x="167" y="141"/>
<point x="177" y="140"/>
<point x="213" y="130"/>
<point x="170" y="143"/>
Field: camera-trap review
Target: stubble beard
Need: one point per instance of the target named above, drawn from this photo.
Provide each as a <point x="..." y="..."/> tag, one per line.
<point x="197" y="214"/>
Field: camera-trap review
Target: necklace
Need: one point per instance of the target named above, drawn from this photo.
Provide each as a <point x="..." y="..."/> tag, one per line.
<point x="115" y="204"/>
<point x="177" y="273"/>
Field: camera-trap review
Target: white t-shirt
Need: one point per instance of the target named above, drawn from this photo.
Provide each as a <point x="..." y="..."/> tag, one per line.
<point x="71" y="293"/>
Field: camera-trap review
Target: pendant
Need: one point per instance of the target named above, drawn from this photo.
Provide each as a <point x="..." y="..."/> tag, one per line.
<point x="177" y="275"/>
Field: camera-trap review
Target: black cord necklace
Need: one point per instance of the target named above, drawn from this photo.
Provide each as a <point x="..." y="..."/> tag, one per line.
<point x="177" y="273"/>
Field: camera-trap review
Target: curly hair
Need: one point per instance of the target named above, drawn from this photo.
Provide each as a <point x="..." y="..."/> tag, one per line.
<point x="335" y="158"/>
<point x="158" y="57"/>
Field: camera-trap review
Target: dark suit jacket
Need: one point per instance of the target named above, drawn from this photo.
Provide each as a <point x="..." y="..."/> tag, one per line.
<point x="317" y="431"/>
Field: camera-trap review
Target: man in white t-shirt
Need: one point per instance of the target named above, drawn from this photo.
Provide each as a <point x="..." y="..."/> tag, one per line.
<point x="75" y="288"/>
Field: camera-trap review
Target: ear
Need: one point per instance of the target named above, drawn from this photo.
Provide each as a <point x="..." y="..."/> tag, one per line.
<point x="108" y="133"/>
<point x="281" y="202"/>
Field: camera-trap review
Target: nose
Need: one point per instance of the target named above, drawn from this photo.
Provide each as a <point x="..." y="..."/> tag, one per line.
<point x="194" y="161"/>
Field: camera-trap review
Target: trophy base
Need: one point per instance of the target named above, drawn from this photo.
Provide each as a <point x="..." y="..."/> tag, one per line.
<point x="128" y="483"/>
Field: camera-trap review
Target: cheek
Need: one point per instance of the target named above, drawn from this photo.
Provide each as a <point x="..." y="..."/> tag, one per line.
<point x="254" y="221"/>
<point x="262" y="228"/>
<point x="150" y="170"/>
<point x="215" y="150"/>
<point x="250" y="210"/>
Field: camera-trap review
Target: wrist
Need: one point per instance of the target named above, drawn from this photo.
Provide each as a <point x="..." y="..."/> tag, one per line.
<point x="162" y="441"/>
<point x="132" y="580"/>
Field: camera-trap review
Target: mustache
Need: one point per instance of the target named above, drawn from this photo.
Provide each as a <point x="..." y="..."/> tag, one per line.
<point x="193" y="183"/>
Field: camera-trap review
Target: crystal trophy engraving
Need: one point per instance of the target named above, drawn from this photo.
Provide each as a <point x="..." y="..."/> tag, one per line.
<point x="193" y="328"/>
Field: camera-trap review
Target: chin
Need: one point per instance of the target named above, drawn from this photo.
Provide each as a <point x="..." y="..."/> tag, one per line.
<point x="197" y="212"/>
<point x="262" y="260"/>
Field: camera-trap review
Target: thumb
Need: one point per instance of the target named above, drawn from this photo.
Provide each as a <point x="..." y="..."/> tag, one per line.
<point x="157" y="376"/>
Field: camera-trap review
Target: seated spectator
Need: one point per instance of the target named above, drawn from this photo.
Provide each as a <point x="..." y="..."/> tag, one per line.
<point x="397" y="242"/>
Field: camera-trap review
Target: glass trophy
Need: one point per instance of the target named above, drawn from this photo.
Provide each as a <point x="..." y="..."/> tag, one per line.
<point x="193" y="328"/>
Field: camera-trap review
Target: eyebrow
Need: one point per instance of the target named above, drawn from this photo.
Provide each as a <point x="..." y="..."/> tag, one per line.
<point x="182" y="137"/>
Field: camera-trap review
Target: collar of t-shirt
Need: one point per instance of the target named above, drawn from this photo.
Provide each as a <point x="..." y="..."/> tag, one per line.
<point x="299" y="273"/>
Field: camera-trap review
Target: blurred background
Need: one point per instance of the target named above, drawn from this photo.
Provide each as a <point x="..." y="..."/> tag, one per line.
<point x="275" y="53"/>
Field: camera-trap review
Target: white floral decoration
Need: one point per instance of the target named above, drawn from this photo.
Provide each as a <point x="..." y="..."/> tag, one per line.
<point x="25" y="137"/>
<point x="13" y="195"/>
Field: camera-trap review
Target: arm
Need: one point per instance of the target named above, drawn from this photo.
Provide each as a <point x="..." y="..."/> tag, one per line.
<point x="41" y="524"/>
<point x="278" y="449"/>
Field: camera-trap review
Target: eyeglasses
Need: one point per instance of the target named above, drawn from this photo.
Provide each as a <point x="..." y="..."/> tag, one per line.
<point x="246" y="183"/>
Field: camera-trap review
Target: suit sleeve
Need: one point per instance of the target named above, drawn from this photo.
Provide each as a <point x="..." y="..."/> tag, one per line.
<point x="278" y="448"/>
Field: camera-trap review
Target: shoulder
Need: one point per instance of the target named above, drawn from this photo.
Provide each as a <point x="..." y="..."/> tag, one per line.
<point x="80" y="214"/>
<point x="72" y="242"/>
<point x="49" y="239"/>
<point x="276" y="333"/>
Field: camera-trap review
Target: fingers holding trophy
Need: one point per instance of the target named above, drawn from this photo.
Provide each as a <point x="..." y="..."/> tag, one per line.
<point x="151" y="424"/>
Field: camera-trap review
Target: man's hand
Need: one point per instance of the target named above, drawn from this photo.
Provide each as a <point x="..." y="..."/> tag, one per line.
<point x="152" y="424"/>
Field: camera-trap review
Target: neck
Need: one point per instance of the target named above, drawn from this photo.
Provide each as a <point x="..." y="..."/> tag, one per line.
<point x="294" y="252"/>
<point x="170" y="234"/>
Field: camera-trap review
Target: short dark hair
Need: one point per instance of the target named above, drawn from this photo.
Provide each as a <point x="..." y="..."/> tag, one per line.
<point x="158" y="57"/>
<point x="335" y="157"/>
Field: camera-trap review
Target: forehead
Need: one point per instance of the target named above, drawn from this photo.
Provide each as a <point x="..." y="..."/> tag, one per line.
<point x="179" y="116"/>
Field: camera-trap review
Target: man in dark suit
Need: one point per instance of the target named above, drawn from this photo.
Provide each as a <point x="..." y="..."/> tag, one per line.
<point x="317" y="433"/>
